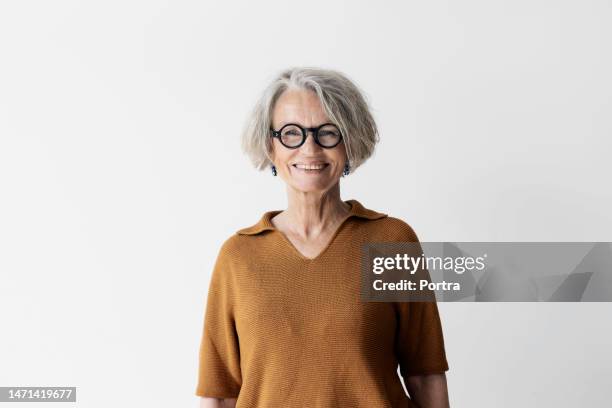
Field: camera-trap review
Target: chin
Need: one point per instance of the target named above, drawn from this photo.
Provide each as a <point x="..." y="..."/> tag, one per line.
<point x="310" y="187"/>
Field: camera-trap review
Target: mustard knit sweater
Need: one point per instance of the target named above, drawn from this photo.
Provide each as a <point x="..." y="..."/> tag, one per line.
<point x="283" y="331"/>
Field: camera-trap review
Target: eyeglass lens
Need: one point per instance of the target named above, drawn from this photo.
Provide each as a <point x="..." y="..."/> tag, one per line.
<point x="292" y="136"/>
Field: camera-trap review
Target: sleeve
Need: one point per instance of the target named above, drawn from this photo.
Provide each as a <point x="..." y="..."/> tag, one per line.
<point x="219" y="372"/>
<point x="420" y="340"/>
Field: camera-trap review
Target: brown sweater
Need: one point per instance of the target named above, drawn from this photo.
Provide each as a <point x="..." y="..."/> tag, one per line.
<point x="282" y="331"/>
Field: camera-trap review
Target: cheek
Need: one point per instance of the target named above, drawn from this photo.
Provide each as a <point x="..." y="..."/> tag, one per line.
<point x="284" y="158"/>
<point x="339" y="159"/>
<point x="280" y="155"/>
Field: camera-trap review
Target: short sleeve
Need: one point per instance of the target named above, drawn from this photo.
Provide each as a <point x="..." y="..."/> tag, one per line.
<point x="420" y="342"/>
<point x="219" y="357"/>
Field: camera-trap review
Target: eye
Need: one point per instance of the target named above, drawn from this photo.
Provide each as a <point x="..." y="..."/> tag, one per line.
<point x="291" y="130"/>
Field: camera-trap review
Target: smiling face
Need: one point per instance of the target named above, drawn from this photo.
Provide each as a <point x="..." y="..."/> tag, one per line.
<point x="309" y="168"/>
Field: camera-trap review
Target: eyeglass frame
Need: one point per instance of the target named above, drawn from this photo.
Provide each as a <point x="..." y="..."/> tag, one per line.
<point x="305" y="130"/>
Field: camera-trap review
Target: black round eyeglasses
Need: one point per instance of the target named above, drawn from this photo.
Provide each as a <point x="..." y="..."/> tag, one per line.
<point x="293" y="135"/>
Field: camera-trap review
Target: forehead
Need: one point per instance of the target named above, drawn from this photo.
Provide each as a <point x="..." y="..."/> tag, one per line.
<point x="298" y="106"/>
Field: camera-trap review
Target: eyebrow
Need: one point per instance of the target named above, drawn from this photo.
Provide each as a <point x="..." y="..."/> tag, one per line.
<point x="297" y="123"/>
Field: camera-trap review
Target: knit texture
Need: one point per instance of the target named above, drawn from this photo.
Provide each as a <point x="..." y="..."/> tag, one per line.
<point x="282" y="331"/>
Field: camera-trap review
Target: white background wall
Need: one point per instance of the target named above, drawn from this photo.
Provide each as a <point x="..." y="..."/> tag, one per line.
<point x="121" y="175"/>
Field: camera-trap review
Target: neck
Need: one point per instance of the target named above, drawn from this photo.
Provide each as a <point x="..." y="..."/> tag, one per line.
<point x="310" y="213"/>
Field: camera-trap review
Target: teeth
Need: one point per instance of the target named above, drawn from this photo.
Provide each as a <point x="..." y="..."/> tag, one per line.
<point x="310" y="166"/>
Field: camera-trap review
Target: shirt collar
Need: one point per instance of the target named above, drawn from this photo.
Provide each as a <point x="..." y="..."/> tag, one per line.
<point x="357" y="210"/>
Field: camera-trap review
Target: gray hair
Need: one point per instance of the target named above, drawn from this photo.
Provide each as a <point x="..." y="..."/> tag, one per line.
<point x="341" y="99"/>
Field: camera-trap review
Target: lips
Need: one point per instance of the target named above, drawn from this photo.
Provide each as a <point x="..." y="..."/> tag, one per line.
<point x="310" y="166"/>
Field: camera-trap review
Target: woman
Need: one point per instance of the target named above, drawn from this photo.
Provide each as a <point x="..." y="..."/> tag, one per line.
<point x="284" y="324"/>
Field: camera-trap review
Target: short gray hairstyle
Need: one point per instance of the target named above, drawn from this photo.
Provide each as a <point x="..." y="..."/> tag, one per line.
<point x="341" y="99"/>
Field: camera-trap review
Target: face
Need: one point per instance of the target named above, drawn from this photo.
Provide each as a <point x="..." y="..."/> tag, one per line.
<point x="303" y="108"/>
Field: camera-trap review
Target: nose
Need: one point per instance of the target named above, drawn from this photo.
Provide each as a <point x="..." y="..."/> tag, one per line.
<point x="310" y="144"/>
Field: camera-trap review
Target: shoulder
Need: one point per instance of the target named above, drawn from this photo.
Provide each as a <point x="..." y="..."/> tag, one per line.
<point x="381" y="226"/>
<point x="264" y="224"/>
<point x="393" y="229"/>
<point x="242" y="247"/>
<point x="234" y="245"/>
<point x="230" y="257"/>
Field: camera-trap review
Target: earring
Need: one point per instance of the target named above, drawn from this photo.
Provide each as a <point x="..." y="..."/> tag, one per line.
<point x="273" y="170"/>
<point x="346" y="170"/>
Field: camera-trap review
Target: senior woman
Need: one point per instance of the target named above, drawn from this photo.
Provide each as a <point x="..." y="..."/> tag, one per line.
<point x="284" y="324"/>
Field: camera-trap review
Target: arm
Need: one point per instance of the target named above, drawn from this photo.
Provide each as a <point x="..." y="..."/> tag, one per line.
<point x="422" y="355"/>
<point x="428" y="391"/>
<point x="420" y="344"/>
<point x="219" y="374"/>
<point x="206" y="402"/>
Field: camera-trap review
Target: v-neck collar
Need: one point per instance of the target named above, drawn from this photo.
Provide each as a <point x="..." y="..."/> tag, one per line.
<point x="265" y="223"/>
